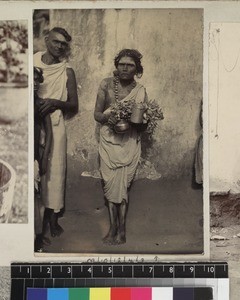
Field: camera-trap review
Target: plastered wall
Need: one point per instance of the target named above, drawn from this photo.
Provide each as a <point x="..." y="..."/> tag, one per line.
<point x="171" y="43"/>
<point x="224" y="107"/>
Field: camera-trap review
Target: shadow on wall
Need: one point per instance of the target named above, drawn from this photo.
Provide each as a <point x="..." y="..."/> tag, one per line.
<point x="171" y="41"/>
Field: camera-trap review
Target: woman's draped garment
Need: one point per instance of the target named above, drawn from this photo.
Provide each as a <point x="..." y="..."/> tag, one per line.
<point x="119" y="155"/>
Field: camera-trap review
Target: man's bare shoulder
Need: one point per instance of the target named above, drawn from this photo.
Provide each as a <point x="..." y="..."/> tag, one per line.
<point x="37" y="57"/>
<point x="70" y="73"/>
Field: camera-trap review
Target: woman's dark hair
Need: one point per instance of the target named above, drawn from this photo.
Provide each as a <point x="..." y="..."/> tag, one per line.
<point x="135" y="55"/>
<point x="39" y="73"/>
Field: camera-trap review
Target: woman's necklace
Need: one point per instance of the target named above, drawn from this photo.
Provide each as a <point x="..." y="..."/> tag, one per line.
<point x="116" y="84"/>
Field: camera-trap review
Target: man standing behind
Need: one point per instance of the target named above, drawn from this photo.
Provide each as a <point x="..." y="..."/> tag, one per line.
<point x="59" y="94"/>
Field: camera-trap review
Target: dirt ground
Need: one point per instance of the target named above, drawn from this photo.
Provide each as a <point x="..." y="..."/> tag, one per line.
<point x="225" y="237"/>
<point x="171" y="209"/>
<point x="221" y="250"/>
<point x="14" y="145"/>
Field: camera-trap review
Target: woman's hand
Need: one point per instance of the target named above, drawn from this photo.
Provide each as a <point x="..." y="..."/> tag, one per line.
<point x="112" y="120"/>
<point x="109" y="117"/>
<point x="48" y="106"/>
<point x="108" y="112"/>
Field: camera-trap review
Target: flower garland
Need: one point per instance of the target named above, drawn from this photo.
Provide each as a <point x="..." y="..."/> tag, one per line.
<point x="122" y="110"/>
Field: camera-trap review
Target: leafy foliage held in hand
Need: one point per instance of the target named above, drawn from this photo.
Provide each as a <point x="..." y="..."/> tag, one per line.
<point x="153" y="113"/>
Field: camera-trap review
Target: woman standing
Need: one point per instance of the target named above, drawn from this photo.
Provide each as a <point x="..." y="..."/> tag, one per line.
<point x="119" y="153"/>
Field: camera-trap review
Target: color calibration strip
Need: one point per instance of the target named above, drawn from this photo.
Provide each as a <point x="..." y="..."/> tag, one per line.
<point x="125" y="293"/>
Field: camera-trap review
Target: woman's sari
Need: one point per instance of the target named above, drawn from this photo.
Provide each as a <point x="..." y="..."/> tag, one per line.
<point x="119" y="155"/>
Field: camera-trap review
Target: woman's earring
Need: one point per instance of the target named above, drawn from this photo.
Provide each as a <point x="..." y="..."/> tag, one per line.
<point x="115" y="72"/>
<point x="138" y="75"/>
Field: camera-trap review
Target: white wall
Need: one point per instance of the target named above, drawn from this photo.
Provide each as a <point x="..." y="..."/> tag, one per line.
<point x="171" y="41"/>
<point x="224" y="107"/>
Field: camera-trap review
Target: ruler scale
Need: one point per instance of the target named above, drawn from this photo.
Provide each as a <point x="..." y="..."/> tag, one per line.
<point x="69" y="275"/>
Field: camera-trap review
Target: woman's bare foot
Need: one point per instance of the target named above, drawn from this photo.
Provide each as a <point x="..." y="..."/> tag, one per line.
<point x="109" y="239"/>
<point x="121" y="237"/>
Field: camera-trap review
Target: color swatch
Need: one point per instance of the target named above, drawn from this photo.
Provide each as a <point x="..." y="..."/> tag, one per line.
<point x="124" y="293"/>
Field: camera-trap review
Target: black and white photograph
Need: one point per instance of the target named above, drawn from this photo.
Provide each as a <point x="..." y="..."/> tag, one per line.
<point x="118" y="138"/>
<point x="13" y="121"/>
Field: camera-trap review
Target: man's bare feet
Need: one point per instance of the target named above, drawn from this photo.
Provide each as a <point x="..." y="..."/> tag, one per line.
<point x="46" y="241"/>
<point x="56" y="230"/>
<point x="38" y="243"/>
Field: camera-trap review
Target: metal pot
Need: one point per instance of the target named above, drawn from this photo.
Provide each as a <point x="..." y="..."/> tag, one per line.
<point x="137" y="113"/>
<point x="122" y="126"/>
